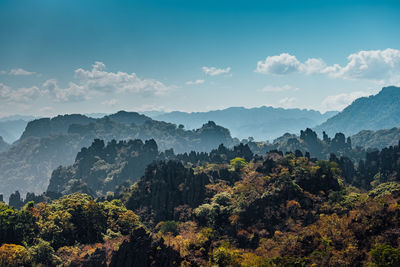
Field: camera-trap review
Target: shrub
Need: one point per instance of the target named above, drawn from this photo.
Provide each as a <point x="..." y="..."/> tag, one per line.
<point x="43" y="253"/>
<point x="13" y="255"/>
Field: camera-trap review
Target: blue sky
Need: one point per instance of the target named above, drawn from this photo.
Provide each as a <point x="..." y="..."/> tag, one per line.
<point x="103" y="56"/>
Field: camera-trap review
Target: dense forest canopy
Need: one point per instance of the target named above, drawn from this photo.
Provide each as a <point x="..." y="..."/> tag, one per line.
<point x="228" y="207"/>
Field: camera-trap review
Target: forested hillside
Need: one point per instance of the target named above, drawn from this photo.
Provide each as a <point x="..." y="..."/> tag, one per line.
<point x="376" y="139"/>
<point x="226" y="208"/>
<point x="49" y="143"/>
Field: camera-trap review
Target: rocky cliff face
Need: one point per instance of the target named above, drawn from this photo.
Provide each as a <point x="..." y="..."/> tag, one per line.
<point x="142" y="250"/>
<point x="101" y="168"/>
<point x="165" y="189"/>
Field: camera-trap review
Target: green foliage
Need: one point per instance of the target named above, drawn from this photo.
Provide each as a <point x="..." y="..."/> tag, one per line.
<point x="276" y="211"/>
<point x="43" y="253"/>
<point x="225" y="255"/>
<point x="238" y="163"/>
<point x="13" y="255"/>
<point x="78" y="218"/>
<point x="385" y="256"/>
<point x="384" y="189"/>
<point x="16" y="227"/>
<point x="168" y="227"/>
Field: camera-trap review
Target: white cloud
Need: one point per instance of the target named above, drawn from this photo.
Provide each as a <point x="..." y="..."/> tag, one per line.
<point x="371" y="65"/>
<point x="340" y="101"/>
<point x="377" y="65"/>
<point x="88" y="83"/>
<point x="287" y="102"/>
<point x="17" y="72"/>
<point x="73" y="92"/>
<point x="99" y="79"/>
<point x="20" y="94"/>
<point x="271" y="88"/>
<point x="312" y="66"/>
<point x="111" y="102"/>
<point x="195" y="82"/>
<point x="213" y="71"/>
<point x="282" y="64"/>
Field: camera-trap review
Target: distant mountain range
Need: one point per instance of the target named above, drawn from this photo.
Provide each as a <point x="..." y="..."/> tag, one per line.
<point x="263" y="123"/>
<point x="48" y="143"/>
<point x="376" y="112"/>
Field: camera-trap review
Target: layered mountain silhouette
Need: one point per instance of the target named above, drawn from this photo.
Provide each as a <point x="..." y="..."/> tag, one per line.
<point x="262" y="123"/>
<point x="376" y="112"/>
<point x="50" y="142"/>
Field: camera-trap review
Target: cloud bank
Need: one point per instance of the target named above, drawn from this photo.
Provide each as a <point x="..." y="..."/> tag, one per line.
<point x="17" y="72"/>
<point x="377" y="65"/>
<point x="87" y="84"/>
<point x="21" y="94"/>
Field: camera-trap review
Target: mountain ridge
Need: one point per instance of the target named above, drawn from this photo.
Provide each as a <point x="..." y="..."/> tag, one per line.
<point x="261" y="123"/>
<point x="376" y="112"/>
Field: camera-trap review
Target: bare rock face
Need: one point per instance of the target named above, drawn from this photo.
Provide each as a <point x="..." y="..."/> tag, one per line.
<point x="143" y="250"/>
<point x="165" y="187"/>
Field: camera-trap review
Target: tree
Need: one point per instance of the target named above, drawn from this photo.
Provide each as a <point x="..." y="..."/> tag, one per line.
<point x="238" y="163"/>
<point x="13" y="255"/>
<point x="385" y="255"/>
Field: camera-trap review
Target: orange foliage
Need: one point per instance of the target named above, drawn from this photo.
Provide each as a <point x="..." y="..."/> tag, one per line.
<point x="13" y="255"/>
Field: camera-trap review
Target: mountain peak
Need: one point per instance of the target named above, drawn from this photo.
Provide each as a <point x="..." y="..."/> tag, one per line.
<point x="390" y="90"/>
<point x="380" y="111"/>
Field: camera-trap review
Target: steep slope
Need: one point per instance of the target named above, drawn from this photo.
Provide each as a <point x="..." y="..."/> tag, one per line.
<point x="381" y="111"/>
<point x="3" y="145"/>
<point x="376" y="139"/>
<point x="263" y="123"/>
<point x="102" y="168"/>
<point x="49" y="143"/>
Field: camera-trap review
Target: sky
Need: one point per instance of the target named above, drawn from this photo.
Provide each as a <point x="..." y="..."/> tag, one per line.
<point x="101" y="56"/>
